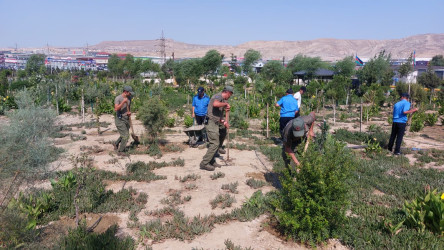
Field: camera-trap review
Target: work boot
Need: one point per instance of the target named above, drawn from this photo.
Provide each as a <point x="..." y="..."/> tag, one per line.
<point x="216" y="165"/>
<point x="207" y="167"/>
<point x="116" y="147"/>
<point x="222" y="151"/>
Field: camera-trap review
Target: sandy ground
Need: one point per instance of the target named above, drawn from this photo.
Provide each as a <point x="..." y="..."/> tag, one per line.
<point x="244" y="165"/>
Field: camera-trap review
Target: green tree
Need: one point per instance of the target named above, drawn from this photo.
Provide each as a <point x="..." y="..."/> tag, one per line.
<point x="272" y="70"/>
<point x="345" y="67"/>
<point x="250" y="57"/>
<point x="429" y="80"/>
<point x="35" y="64"/>
<point x="406" y="67"/>
<point x="233" y="64"/>
<point x="437" y="60"/>
<point x="115" y="65"/>
<point x="4" y="81"/>
<point x="309" y="64"/>
<point x="211" y="61"/>
<point x="153" y="115"/>
<point x="377" y="70"/>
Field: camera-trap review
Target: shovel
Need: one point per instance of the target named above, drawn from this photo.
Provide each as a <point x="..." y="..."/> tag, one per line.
<point x="133" y="135"/>
<point x="227" y="119"/>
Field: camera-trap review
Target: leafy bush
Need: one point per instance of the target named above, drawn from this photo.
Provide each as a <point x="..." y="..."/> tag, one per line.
<point x="153" y="115"/>
<point x="372" y="146"/>
<point x="426" y="213"/>
<point x="312" y="202"/>
<point x="14" y="230"/>
<point x="170" y="122"/>
<point x="188" y="121"/>
<point x="431" y="119"/>
<point x="418" y="120"/>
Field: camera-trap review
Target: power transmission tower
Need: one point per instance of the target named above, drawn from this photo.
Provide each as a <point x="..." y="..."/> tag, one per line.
<point x="162" y="49"/>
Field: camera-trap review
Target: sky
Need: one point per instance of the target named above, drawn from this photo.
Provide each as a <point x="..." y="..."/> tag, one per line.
<point x="75" y="23"/>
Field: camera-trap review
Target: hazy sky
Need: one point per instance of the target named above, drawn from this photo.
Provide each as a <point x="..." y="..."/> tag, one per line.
<point x="225" y="22"/>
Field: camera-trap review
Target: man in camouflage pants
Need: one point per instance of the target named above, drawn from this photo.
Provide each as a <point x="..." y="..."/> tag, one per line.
<point x="216" y="127"/>
<point x="122" y="105"/>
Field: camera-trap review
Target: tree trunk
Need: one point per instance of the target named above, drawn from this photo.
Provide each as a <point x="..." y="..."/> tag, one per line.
<point x="360" y="120"/>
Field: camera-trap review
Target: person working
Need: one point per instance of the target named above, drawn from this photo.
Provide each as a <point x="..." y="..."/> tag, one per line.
<point x="216" y="127"/>
<point x="122" y="104"/>
<point x="298" y="97"/>
<point x="294" y="132"/>
<point x="289" y="109"/>
<point x="200" y="105"/>
<point x="400" y="112"/>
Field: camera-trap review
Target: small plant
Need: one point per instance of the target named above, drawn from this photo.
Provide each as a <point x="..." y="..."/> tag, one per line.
<point x="372" y="146"/>
<point x="418" y="120"/>
<point x="256" y="183"/>
<point x="190" y="177"/>
<point x="229" y="245"/>
<point x="232" y="187"/>
<point x="175" y="198"/>
<point x="190" y="186"/>
<point x="224" y="200"/>
<point x="426" y="212"/>
<point x="180" y="112"/>
<point x="217" y="175"/>
<point x="431" y="119"/>
<point x="188" y="121"/>
<point x="170" y="122"/>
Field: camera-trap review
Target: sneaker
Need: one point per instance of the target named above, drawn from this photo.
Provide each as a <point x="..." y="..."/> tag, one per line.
<point x="216" y="165"/>
<point x="222" y="151"/>
<point x="397" y="153"/>
<point x="207" y="167"/>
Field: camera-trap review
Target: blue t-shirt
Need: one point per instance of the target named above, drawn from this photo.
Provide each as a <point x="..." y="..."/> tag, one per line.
<point x="201" y="104"/>
<point x="289" y="105"/>
<point x="399" y="109"/>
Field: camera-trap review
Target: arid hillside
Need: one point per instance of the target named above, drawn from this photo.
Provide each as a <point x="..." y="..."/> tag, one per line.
<point x="426" y="45"/>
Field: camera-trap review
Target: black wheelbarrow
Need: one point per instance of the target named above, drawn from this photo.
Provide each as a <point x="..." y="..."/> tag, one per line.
<point x="197" y="135"/>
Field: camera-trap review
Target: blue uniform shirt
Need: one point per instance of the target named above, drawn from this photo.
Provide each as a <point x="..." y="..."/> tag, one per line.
<point x="201" y="104"/>
<point x="289" y="105"/>
<point x="399" y="109"/>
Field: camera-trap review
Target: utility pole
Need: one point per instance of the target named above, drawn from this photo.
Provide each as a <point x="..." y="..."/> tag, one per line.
<point x="162" y="49"/>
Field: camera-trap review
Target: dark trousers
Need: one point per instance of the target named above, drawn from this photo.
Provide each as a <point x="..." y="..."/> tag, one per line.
<point x="398" y="130"/>
<point x="199" y="119"/>
<point x="283" y="122"/>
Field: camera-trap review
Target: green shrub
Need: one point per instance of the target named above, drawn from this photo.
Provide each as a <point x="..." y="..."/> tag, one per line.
<point x="188" y="121"/>
<point x="372" y="146"/>
<point x="312" y="202"/>
<point x="431" y="119"/>
<point x="170" y="122"/>
<point x="14" y="230"/>
<point x="418" y="120"/>
<point x="180" y="112"/>
<point x="153" y="115"/>
<point x="81" y="238"/>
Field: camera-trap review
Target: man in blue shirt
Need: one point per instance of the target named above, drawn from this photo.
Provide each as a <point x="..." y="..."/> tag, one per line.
<point x="289" y="109"/>
<point x="400" y="112"/>
<point x="200" y="105"/>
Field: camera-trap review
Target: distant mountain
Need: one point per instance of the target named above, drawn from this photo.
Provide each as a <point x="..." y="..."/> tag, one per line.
<point x="426" y="45"/>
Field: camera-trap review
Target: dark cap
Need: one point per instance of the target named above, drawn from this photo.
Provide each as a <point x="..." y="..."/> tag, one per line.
<point x="406" y="95"/>
<point x="298" y="127"/>
<point x="200" y="90"/>
<point x="129" y="89"/>
<point x="289" y="91"/>
<point x="228" y="88"/>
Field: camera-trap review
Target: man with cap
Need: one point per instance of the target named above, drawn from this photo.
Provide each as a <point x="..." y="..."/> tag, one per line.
<point x="200" y="105"/>
<point x="294" y="133"/>
<point x="400" y="112"/>
<point x="122" y="105"/>
<point x="289" y="109"/>
<point x="216" y="127"/>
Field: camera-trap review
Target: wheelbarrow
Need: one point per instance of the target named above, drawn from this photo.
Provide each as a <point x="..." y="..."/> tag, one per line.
<point x="195" y="133"/>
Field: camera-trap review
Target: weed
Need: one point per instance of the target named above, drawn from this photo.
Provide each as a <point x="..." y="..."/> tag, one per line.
<point x="174" y="198"/>
<point x="224" y="200"/>
<point x="189" y="177"/>
<point x="229" y="245"/>
<point x="255" y="183"/>
<point x="217" y="175"/>
<point x="190" y="186"/>
<point x="232" y="187"/>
